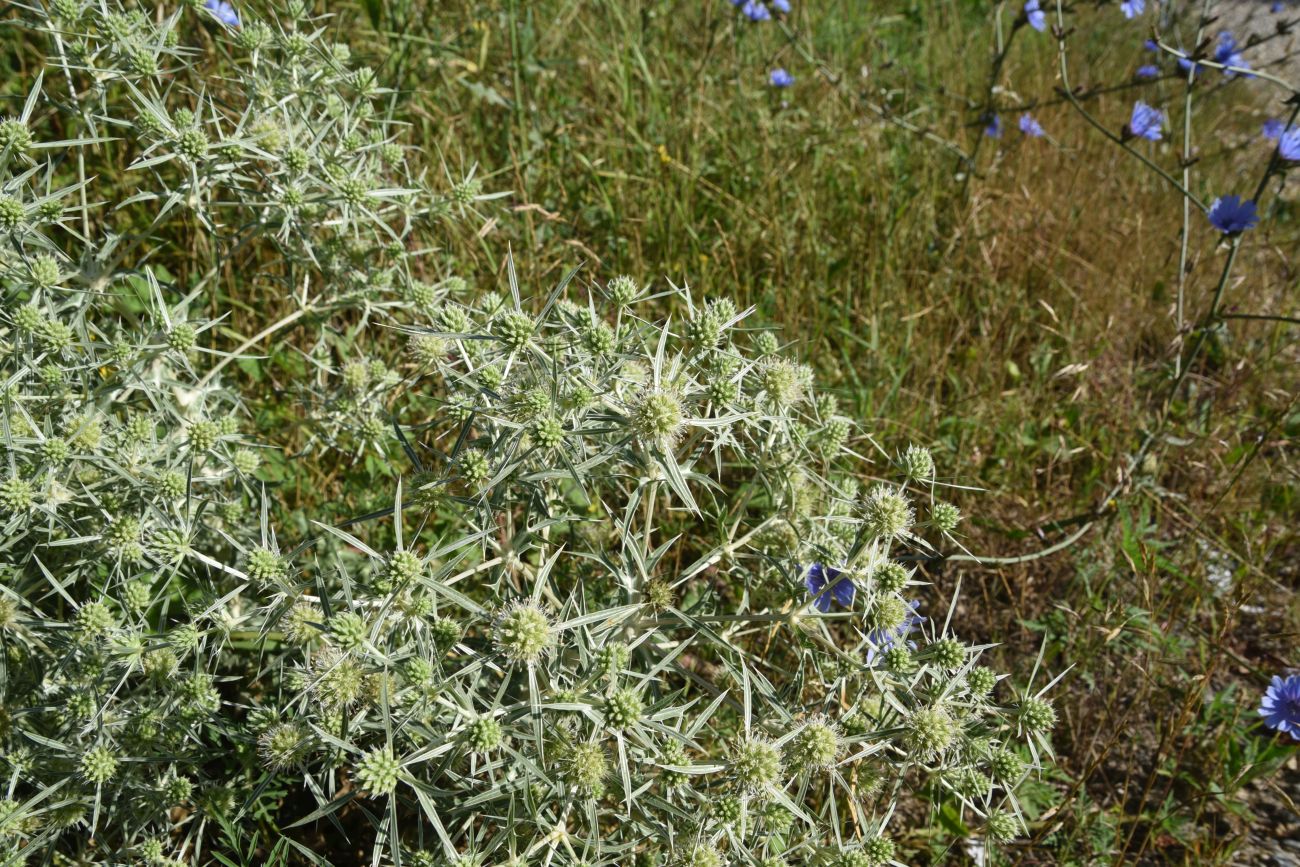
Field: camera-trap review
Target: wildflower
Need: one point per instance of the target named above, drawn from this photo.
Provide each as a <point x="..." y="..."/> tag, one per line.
<point x="1288" y="145"/>
<point x="1132" y="8"/>
<point x="840" y="589"/>
<point x="1277" y="6"/>
<point x="1035" y="15"/>
<point x="993" y="127"/>
<point x="755" y="11"/>
<point x="1281" y="706"/>
<point x="1187" y="65"/>
<point x="224" y="12"/>
<point x="1002" y="827"/>
<point x="1148" y="70"/>
<point x="780" y="78"/>
<point x="1273" y="129"/>
<point x="782" y="6"/>
<point x="1146" y="122"/>
<point x="523" y="633"/>
<point x="756" y="765"/>
<point x="1151" y="45"/>
<point x="886" y="638"/>
<point x="815" y="747"/>
<point x="377" y="772"/>
<point x="1030" y="127"/>
<point x="1226" y="53"/>
<point x="1232" y="214"/>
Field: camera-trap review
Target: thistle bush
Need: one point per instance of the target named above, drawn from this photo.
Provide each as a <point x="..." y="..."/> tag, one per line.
<point x="640" y="597"/>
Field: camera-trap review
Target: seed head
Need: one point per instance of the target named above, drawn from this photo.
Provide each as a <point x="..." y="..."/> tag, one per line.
<point x="756" y="765"/>
<point x="657" y="419"/>
<point x="377" y="772"/>
<point x="523" y="633"/>
<point x="586" y="766"/>
<point x="282" y="744"/>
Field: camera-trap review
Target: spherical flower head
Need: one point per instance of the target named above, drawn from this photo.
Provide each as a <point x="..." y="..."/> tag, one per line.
<point x="887" y="614"/>
<point x="766" y="343"/>
<point x="377" y="772"/>
<point x="474" y="467"/>
<point x="1002" y="826"/>
<point x="613" y="658"/>
<point x="899" y="659"/>
<point x="826" y="585"/>
<point x="1280" y="707"/>
<point x="599" y="338"/>
<point x="1037" y="715"/>
<point x="705" y="327"/>
<point x="886" y="513"/>
<point x="945" y="517"/>
<point x="586" y="767"/>
<point x="282" y="744"/>
<point x="523" y="633"/>
<point x="12" y="213"/>
<point x="756" y="765"/>
<point x="99" y="765"/>
<point x="702" y="855"/>
<point x="16" y="495"/>
<point x="1031" y="127"/>
<point x="623" y="709"/>
<point x="483" y="734"/>
<point x="514" y="328"/>
<point x="14" y="136"/>
<point x="917" y="464"/>
<point x="265" y="566"/>
<point x="547" y="432"/>
<point x="177" y="790"/>
<point x="203" y="435"/>
<point x="44" y="271"/>
<point x="1006" y="766"/>
<point x="891" y="577"/>
<point x="622" y="290"/>
<point x="929" y="731"/>
<point x="981" y="680"/>
<point x="1035" y="15"/>
<point x="1233" y="215"/>
<point x="445" y="632"/>
<point x="947" y="653"/>
<point x="815" y="748"/>
<point x="349" y="630"/>
<point x="784" y="382"/>
<point x="657" y="418"/>
<point x="302" y="623"/>
<point x="403" y="567"/>
<point x="1146" y="122"/>
<point x="726" y="810"/>
<point x="95" y="619"/>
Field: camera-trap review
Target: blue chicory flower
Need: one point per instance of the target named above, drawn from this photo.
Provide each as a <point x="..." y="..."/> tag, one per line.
<point x="780" y="78"/>
<point x="1035" y="15"/>
<point x="840" y="589"/>
<point x="1031" y="127"/>
<point x="993" y="129"/>
<point x="1288" y="145"/>
<point x="225" y="13"/>
<point x="1281" y="706"/>
<point x="1273" y="129"/>
<point x="756" y="10"/>
<point x="1232" y="214"/>
<point x="1226" y="53"/>
<point x="1151" y="45"/>
<point x="1278" y="6"/>
<point x="882" y="640"/>
<point x="1148" y="70"/>
<point x="1132" y="8"/>
<point x="782" y="6"/>
<point x="1146" y="121"/>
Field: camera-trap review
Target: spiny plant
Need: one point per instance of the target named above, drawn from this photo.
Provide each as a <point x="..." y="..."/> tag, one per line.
<point x="639" y="596"/>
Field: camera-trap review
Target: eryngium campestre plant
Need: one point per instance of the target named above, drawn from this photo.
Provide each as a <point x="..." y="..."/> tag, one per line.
<point x="586" y="631"/>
